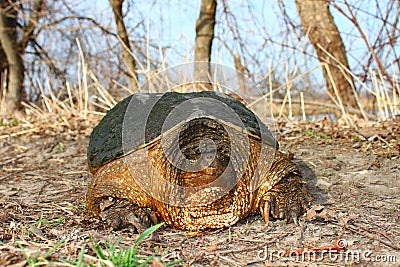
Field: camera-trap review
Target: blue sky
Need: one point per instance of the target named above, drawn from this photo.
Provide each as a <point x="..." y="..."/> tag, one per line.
<point x="172" y="23"/>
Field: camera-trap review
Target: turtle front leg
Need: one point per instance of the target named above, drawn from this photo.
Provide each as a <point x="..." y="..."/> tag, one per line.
<point x="120" y="213"/>
<point x="287" y="200"/>
<point x="115" y="198"/>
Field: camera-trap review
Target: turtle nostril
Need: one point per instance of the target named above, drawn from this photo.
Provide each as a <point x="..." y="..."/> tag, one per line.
<point x="207" y="159"/>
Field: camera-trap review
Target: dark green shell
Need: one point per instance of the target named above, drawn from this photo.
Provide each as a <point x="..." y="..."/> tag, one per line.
<point x="144" y="116"/>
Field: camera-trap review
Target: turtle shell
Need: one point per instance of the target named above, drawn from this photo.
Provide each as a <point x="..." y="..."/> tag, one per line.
<point x="144" y="115"/>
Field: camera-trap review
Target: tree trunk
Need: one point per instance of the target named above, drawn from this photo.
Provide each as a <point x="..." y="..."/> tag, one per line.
<point x="204" y="36"/>
<point x="8" y="38"/>
<point x="322" y="32"/>
<point x="127" y="57"/>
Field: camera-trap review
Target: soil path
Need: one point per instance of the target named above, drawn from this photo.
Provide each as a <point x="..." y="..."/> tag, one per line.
<point x="354" y="176"/>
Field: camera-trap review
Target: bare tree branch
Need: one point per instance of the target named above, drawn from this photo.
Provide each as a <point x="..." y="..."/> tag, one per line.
<point x="353" y="19"/>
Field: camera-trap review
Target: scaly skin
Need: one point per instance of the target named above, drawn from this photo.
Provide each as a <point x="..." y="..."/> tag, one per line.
<point x="275" y="192"/>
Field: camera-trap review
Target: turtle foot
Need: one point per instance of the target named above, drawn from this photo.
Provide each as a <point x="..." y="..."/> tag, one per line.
<point x="119" y="214"/>
<point x="287" y="200"/>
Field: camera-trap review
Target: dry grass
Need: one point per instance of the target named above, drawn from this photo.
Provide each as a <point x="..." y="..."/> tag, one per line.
<point x="89" y="100"/>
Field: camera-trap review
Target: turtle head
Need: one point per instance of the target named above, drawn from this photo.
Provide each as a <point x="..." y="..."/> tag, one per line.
<point x="205" y="147"/>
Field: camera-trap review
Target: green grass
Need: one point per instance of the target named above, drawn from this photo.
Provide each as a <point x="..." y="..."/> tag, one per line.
<point x="48" y="222"/>
<point x="44" y="222"/>
<point x="60" y="147"/>
<point x="109" y="254"/>
<point x="112" y="253"/>
<point x="13" y="123"/>
<point x="318" y="135"/>
<point x="328" y="174"/>
<point x="36" y="259"/>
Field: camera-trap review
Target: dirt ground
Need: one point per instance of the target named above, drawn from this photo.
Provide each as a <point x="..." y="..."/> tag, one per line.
<point x="354" y="175"/>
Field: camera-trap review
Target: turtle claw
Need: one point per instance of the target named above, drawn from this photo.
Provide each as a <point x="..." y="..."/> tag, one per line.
<point x="266" y="211"/>
<point x="286" y="201"/>
<point x="295" y="219"/>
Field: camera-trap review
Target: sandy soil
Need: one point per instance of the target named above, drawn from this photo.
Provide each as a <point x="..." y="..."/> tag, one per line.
<point x="354" y="176"/>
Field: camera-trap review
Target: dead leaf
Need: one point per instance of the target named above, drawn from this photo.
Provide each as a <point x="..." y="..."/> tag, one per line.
<point x="194" y="234"/>
<point x="4" y="215"/>
<point x="212" y="247"/>
<point x="156" y="263"/>
<point x="317" y="212"/>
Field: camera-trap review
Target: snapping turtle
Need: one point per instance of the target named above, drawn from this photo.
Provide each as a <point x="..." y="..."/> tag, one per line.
<point x="196" y="160"/>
